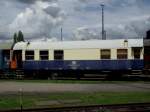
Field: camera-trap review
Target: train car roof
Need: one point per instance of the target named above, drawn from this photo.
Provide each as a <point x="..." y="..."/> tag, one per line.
<point x="5" y="45"/>
<point x="117" y="43"/>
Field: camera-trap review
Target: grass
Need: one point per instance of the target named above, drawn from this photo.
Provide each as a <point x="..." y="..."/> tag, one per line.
<point x="73" y="81"/>
<point x="30" y="100"/>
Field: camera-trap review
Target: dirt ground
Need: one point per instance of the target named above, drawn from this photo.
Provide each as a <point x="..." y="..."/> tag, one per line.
<point x="10" y="86"/>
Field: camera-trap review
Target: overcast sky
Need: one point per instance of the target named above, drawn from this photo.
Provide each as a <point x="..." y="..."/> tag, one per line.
<point x="80" y="19"/>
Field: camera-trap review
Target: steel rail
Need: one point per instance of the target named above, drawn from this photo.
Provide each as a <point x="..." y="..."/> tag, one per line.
<point x="132" y="107"/>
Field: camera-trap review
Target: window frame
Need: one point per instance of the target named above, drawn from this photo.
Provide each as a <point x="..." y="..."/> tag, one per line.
<point x="138" y="54"/>
<point x="122" y="55"/>
<point x="44" y="55"/>
<point x="33" y="55"/>
<point x="56" y="56"/>
<point x="104" y="56"/>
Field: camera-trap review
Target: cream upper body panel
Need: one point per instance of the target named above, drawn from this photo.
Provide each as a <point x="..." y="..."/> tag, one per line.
<point x="81" y="54"/>
<point x="81" y="50"/>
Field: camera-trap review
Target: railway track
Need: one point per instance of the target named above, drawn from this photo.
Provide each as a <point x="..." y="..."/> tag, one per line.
<point x="134" y="107"/>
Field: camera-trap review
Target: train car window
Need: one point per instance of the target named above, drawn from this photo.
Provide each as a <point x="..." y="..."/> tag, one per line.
<point x="58" y="55"/>
<point x="29" y="55"/>
<point x="122" y="53"/>
<point x="43" y="55"/>
<point x="105" y="54"/>
<point x="137" y="52"/>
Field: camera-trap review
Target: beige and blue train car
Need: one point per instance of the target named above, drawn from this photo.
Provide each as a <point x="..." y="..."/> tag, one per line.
<point x="90" y="55"/>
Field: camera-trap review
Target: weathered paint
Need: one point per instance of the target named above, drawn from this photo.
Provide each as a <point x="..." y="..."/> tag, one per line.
<point x="88" y="44"/>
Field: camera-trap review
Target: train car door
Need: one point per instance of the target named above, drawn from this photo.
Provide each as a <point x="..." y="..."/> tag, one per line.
<point x="137" y="52"/>
<point x="147" y="57"/>
<point x="16" y="59"/>
<point x="6" y="59"/>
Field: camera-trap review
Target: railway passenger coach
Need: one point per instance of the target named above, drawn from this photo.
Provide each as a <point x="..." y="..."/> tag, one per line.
<point x="91" y="56"/>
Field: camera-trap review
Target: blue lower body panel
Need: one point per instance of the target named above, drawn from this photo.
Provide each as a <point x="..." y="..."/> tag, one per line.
<point x="84" y="65"/>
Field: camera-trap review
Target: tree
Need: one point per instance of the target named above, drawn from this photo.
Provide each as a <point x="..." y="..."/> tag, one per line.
<point x="20" y="36"/>
<point x="15" y="38"/>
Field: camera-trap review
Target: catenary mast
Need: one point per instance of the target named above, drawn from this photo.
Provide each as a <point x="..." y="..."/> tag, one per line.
<point x="103" y="30"/>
